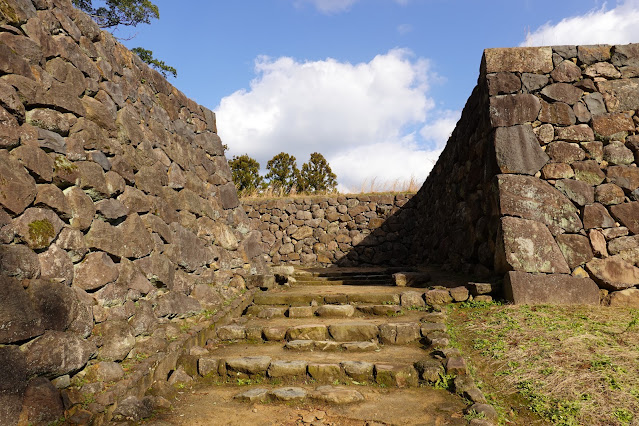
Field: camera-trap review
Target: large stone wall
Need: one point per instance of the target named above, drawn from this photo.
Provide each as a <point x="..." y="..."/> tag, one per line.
<point x="117" y="214"/>
<point x="538" y="183"/>
<point x="565" y="141"/>
<point x="324" y="230"/>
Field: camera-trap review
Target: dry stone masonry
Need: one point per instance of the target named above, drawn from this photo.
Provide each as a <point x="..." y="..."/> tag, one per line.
<point x="117" y="214"/>
<point x="324" y="230"/>
<point x="538" y="183"/>
<point x="119" y="219"/>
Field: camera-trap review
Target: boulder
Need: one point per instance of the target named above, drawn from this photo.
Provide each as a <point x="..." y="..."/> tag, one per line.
<point x="613" y="126"/>
<point x="565" y="152"/>
<point x="56" y="264"/>
<point x="57" y="353"/>
<point x="95" y="271"/>
<point x="352" y="332"/>
<point x="19" y="261"/>
<point x="628" y="298"/>
<point x="577" y="191"/>
<point x="42" y="402"/>
<point x="613" y="273"/>
<point x="38" y="227"/>
<point x="562" y="92"/>
<point x="596" y="216"/>
<point x="13" y="383"/>
<point x="624" y="176"/>
<point x="115" y="339"/>
<point x="249" y="364"/>
<point x="56" y="304"/>
<point x="176" y="304"/>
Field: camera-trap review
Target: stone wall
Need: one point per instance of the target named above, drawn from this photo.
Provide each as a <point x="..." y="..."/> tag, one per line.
<point x="346" y="230"/>
<point x="118" y="216"/>
<point x="566" y="142"/>
<point x="538" y="183"/>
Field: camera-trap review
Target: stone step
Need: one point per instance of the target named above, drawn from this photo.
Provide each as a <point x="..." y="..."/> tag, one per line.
<point x="327" y="394"/>
<point x="395" y="333"/>
<point x="345" y="272"/>
<point x="404" y="371"/>
<point x="390" y="406"/>
<point x="331" y="346"/>
<point x="320" y="297"/>
<point x="342" y="282"/>
<point x="326" y="311"/>
<point x="362" y="277"/>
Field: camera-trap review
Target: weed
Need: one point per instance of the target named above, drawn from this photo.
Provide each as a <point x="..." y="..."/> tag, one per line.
<point x="623" y="415"/>
<point x="444" y="381"/>
<point x="472" y="414"/>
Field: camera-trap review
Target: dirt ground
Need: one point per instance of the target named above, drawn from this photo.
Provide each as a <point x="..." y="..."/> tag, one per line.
<point x="214" y="405"/>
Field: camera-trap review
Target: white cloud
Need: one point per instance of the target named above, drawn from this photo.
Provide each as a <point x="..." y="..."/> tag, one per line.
<point x="404" y="28"/>
<point x="329" y="6"/>
<point x="336" y="6"/>
<point x="618" y="25"/>
<point x="439" y="130"/>
<point x="364" y="118"/>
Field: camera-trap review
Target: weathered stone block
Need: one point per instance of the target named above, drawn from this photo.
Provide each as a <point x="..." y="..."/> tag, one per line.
<point x="613" y="126"/>
<point x="518" y="151"/>
<point x="509" y="110"/>
<point x="519" y="59"/>
<point x="628" y="215"/>
<point x="575" y="248"/>
<point x="529" y="289"/>
<point x="620" y="95"/>
<point x="528" y="246"/>
<point x="613" y="273"/>
<point x="530" y="198"/>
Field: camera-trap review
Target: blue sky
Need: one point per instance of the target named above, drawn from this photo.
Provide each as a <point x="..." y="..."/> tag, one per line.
<point x="374" y="85"/>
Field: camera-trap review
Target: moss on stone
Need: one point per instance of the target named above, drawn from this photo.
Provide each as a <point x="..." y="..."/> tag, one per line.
<point x="61" y="163"/>
<point x="41" y="232"/>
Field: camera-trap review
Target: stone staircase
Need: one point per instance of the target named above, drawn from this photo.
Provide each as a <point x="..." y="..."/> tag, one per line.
<point x="342" y="338"/>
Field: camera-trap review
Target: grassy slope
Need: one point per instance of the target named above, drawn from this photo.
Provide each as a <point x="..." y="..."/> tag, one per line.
<point x="554" y="365"/>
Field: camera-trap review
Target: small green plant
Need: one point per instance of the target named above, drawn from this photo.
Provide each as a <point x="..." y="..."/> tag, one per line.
<point x="445" y="381"/>
<point x="472" y="414"/>
<point x="623" y="415"/>
<point x="141" y="356"/>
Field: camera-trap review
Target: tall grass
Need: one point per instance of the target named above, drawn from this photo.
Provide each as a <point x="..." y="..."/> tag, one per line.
<point x="373" y="186"/>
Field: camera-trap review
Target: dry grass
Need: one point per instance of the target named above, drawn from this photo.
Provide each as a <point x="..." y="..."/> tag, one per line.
<point x="571" y="365"/>
<point x="397" y="186"/>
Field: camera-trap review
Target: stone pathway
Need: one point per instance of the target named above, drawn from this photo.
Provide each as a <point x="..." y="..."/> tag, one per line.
<point x="347" y="343"/>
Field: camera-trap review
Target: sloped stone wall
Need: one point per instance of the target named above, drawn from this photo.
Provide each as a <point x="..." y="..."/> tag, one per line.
<point x="565" y="138"/>
<point x="117" y="211"/>
<point x="538" y="182"/>
<point x="347" y="230"/>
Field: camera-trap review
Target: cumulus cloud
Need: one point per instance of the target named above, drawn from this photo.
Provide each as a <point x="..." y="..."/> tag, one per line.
<point x="439" y="130"/>
<point x="600" y="26"/>
<point x="364" y="118"/>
